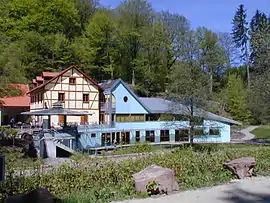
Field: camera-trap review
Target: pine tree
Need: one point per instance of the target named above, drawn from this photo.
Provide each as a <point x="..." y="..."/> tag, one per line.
<point x="259" y="33"/>
<point x="240" y="35"/>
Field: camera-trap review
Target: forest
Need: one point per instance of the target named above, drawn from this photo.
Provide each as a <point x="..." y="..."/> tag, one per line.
<point x="156" y="52"/>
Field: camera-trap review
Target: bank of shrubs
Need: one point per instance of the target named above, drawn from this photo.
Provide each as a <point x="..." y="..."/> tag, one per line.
<point x="194" y="167"/>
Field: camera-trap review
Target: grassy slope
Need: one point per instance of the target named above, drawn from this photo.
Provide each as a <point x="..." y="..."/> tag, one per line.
<point x="262" y="132"/>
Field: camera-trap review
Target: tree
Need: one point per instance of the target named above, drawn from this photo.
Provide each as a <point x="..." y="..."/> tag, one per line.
<point x="259" y="42"/>
<point x="44" y="53"/>
<point x="237" y="98"/>
<point x="86" y="9"/>
<point x="240" y="36"/>
<point x="44" y="17"/>
<point x="176" y="28"/>
<point x="97" y="51"/>
<point x="213" y="58"/>
<point x="231" y="52"/>
<point x="259" y="98"/>
<point x="152" y="60"/>
<point x="135" y="16"/>
<point x="189" y="94"/>
<point x="191" y="91"/>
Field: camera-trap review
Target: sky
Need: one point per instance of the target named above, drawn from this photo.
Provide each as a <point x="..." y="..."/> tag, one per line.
<point x="213" y="14"/>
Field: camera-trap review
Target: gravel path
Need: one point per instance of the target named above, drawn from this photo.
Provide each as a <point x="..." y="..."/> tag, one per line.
<point x="247" y="132"/>
<point x="242" y="191"/>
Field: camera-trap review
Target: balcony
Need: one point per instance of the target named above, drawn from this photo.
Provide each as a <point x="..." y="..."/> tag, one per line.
<point x="104" y="106"/>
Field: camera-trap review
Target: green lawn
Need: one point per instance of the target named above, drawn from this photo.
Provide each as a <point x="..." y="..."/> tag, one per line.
<point x="262" y="132"/>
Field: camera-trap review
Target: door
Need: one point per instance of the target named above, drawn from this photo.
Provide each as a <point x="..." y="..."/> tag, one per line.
<point x="84" y="119"/>
<point x="61" y="119"/>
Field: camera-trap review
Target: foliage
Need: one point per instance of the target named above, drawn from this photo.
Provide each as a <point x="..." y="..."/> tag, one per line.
<point x="104" y="182"/>
<point x="237" y="97"/>
<point x="8" y="134"/>
<point x="191" y="91"/>
<point x="258" y="98"/>
<point x="213" y="57"/>
<point x="137" y="148"/>
<point x="240" y="35"/>
<point x="262" y="132"/>
<point x="152" y="188"/>
<point x="15" y="159"/>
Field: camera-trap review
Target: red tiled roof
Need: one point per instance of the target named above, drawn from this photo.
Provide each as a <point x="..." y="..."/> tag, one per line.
<point x="61" y="73"/>
<point x="49" y="74"/>
<point x="34" y="81"/>
<point x="17" y="101"/>
<point x="39" y="78"/>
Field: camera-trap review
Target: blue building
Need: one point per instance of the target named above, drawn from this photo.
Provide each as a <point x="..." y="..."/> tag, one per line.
<point x="126" y="118"/>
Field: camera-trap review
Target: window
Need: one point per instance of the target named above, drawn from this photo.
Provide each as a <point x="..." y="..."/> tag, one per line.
<point x="181" y="135"/>
<point x="61" y="97"/>
<point x="102" y="118"/>
<point x="153" y="117"/>
<point x="164" y="135"/>
<point x="125" y="98"/>
<point x="137" y="136"/>
<point x="130" y="118"/>
<point x="213" y="131"/>
<point x="125" y="137"/>
<point x="85" y="98"/>
<point x="93" y="135"/>
<point x="198" y="131"/>
<point x="72" y="81"/>
<point x="150" y="136"/>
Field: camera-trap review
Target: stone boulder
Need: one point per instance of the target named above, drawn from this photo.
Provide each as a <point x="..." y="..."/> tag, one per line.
<point x="41" y="195"/>
<point x="163" y="176"/>
<point x="242" y="167"/>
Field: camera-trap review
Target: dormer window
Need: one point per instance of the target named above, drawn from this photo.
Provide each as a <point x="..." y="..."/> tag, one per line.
<point x="72" y="81"/>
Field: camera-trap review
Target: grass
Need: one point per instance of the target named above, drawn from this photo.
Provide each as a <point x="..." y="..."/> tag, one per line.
<point x="98" y="181"/>
<point x="262" y="132"/>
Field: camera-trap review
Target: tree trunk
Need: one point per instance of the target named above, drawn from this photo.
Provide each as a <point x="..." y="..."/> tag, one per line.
<point x="191" y="122"/>
<point x="248" y="77"/>
<point x="247" y="66"/>
<point x="133" y="78"/>
<point x="211" y="83"/>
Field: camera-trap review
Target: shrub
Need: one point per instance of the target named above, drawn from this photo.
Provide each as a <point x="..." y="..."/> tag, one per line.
<point x="100" y="181"/>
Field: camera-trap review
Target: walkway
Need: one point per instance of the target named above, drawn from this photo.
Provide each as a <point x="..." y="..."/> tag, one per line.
<point x="242" y="191"/>
<point x="247" y="132"/>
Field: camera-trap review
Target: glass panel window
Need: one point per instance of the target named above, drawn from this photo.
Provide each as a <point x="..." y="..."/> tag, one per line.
<point x="137" y="136"/>
<point x="150" y="136"/>
<point x="72" y="81"/>
<point x="61" y="97"/>
<point x="198" y="131"/>
<point x="181" y="135"/>
<point x="164" y="135"/>
<point x="214" y="131"/>
<point x="85" y="98"/>
<point x="93" y="134"/>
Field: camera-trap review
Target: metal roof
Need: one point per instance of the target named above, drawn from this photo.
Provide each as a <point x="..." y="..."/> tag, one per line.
<point x="110" y="86"/>
<point x="160" y="105"/>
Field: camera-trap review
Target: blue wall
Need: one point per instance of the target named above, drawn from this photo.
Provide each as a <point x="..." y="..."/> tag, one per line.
<point x="132" y="106"/>
<point x="86" y="141"/>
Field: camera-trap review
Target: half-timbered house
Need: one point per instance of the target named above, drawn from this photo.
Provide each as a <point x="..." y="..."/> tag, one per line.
<point x="71" y="87"/>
